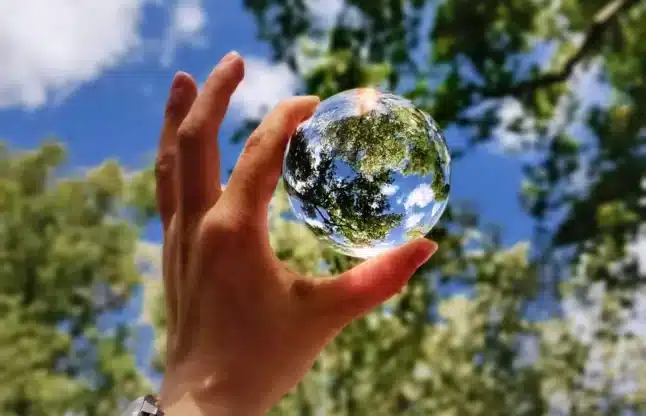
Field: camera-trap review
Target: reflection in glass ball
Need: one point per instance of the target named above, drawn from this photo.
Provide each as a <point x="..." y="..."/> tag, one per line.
<point x="367" y="172"/>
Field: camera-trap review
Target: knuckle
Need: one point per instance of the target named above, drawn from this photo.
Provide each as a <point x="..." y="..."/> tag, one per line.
<point x="217" y="235"/>
<point x="232" y="229"/>
<point x="164" y="163"/>
<point x="188" y="135"/>
<point x="303" y="289"/>
<point x="255" y="140"/>
<point x="214" y="232"/>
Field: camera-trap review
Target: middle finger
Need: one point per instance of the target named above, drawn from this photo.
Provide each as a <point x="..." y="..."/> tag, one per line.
<point x="198" y="158"/>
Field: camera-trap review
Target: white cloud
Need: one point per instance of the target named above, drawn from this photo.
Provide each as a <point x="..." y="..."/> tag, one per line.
<point x="584" y="316"/>
<point x="638" y="250"/>
<point x="512" y="115"/>
<point x="187" y="23"/>
<point x="189" y="18"/>
<point x="325" y="12"/>
<point x="637" y="323"/>
<point x="389" y="190"/>
<point x="420" y="196"/>
<point x="49" y="47"/>
<point x="413" y="220"/>
<point x="264" y="85"/>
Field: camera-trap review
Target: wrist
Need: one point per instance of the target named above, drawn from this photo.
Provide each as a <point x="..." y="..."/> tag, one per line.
<point x="210" y="396"/>
<point x="193" y="405"/>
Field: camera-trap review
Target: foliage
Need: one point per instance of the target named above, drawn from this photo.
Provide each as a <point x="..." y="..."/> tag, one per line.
<point x="488" y="329"/>
<point x="67" y="270"/>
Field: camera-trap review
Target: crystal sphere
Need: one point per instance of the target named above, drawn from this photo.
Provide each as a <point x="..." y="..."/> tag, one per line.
<point x="367" y="172"/>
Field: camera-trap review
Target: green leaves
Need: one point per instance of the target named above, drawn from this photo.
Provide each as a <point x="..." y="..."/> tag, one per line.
<point x="67" y="263"/>
<point x="493" y="328"/>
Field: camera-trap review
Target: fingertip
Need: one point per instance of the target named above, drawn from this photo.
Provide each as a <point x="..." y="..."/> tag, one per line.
<point x="182" y="81"/>
<point x="303" y="107"/>
<point x="182" y="76"/>
<point x="237" y="66"/>
<point x="374" y="281"/>
<point x="311" y="101"/>
<point x="230" y="56"/>
<point x="422" y="250"/>
<point x="395" y="267"/>
<point x="183" y="92"/>
<point x="314" y="99"/>
<point x="232" y="65"/>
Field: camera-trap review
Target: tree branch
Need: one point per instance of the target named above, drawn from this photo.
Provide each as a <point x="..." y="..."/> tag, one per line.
<point x="593" y="36"/>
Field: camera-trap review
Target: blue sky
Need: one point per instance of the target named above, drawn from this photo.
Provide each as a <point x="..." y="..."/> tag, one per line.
<point x="109" y="105"/>
<point x="95" y="75"/>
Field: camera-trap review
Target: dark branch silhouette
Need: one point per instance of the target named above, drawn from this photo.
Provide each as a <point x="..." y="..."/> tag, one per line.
<point x="602" y="21"/>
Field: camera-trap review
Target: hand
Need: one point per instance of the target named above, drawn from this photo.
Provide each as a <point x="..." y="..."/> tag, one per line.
<point x="243" y="329"/>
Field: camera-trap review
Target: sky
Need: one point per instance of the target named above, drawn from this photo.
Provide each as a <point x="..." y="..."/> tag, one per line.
<point x="95" y="75"/>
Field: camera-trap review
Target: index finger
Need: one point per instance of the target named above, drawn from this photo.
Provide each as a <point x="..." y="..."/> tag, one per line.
<point x="258" y="169"/>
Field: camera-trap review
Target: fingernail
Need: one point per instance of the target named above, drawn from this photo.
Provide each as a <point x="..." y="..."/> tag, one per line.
<point x="229" y="57"/>
<point x="177" y="85"/>
<point x="424" y="250"/>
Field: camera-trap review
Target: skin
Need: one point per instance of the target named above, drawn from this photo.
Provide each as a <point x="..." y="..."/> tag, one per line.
<point x="243" y="328"/>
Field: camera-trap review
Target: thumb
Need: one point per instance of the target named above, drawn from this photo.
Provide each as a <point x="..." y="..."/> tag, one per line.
<point x="371" y="283"/>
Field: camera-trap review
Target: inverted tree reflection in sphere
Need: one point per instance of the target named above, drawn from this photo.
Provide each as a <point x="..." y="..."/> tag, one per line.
<point x="368" y="172"/>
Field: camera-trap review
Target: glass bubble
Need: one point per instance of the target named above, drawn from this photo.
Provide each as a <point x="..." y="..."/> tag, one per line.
<point x="367" y="172"/>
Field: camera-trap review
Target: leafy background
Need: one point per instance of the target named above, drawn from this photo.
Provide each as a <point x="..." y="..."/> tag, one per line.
<point x="535" y="304"/>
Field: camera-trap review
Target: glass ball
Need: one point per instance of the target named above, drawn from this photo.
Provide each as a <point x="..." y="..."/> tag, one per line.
<point x="367" y="172"/>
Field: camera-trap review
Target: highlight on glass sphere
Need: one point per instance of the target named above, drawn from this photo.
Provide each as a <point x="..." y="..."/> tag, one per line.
<point x="367" y="172"/>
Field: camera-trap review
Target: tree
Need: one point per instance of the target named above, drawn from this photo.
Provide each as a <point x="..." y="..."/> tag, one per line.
<point x="507" y="344"/>
<point x="68" y="271"/>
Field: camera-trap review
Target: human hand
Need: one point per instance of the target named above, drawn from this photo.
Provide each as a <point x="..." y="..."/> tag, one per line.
<point x="243" y="329"/>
